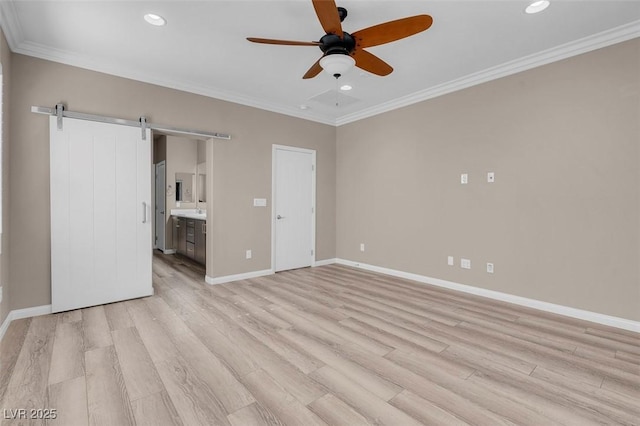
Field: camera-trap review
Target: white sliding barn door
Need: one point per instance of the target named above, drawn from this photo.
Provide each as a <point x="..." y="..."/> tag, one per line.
<point x="101" y="246"/>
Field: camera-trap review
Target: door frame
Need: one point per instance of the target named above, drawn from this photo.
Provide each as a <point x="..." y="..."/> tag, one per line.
<point x="274" y="149"/>
<point x="155" y="203"/>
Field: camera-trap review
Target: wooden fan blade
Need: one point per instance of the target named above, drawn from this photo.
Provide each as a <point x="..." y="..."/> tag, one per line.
<point x="371" y="63"/>
<point x="392" y="30"/>
<point x="327" y="12"/>
<point x="314" y="70"/>
<point x="283" y="42"/>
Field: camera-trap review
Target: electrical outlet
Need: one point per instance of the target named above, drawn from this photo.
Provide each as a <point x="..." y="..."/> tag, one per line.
<point x="464" y="179"/>
<point x="361" y="246"/>
<point x="248" y="254"/>
<point x="491" y="177"/>
<point x="490" y="268"/>
<point x="465" y="263"/>
<point x="450" y="260"/>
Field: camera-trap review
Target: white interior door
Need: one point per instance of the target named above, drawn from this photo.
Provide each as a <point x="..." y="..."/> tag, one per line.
<point x="160" y="205"/>
<point x="101" y="247"/>
<point x="294" y="207"/>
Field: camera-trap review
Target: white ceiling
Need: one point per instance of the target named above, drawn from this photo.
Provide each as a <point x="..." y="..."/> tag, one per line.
<point x="203" y="49"/>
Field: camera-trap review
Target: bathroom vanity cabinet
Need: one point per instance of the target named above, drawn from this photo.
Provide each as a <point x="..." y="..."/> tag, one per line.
<point x="190" y="236"/>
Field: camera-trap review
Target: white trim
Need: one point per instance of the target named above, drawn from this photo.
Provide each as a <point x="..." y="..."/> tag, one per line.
<point x="10" y="24"/>
<point x="117" y="69"/>
<point x="35" y="311"/>
<point x="324" y="262"/>
<point x="23" y="313"/>
<point x="274" y="148"/>
<point x="564" y="51"/>
<point x="567" y="311"/>
<point x="237" y="277"/>
<point x="5" y="325"/>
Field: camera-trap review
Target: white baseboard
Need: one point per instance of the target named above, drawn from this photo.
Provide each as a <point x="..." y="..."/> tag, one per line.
<point x="23" y="313"/>
<point x="237" y="277"/>
<point x="30" y="312"/>
<point x="595" y="317"/>
<point x="324" y="262"/>
<point x="5" y="326"/>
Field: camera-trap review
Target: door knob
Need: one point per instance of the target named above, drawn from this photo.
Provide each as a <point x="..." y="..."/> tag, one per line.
<point x="279" y="217"/>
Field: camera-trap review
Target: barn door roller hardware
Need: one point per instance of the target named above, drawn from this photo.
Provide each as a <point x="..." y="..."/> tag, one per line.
<point x="60" y="111"/>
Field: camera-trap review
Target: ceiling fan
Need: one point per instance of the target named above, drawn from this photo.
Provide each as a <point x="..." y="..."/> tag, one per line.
<point x="342" y="50"/>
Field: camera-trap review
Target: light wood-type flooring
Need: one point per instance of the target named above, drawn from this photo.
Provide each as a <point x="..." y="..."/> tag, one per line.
<point x="315" y="346"/>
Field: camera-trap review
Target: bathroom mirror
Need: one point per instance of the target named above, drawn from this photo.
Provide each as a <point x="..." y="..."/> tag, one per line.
<point x="184" y="187"/>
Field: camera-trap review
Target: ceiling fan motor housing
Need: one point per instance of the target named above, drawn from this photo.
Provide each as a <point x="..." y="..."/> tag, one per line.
<point x="332" y="44"/>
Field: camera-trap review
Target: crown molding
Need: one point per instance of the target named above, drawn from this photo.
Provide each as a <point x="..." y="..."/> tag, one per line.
<point x="72" y="59"/>
<point x="10" y="24"/>
<point x="15" y="38"/>
<point x="564" y="51"/>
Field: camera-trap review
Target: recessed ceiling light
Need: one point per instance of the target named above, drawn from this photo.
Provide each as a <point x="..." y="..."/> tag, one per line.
<point x="303" y="106"/>
<point x="345" y="87"/>
<point x="154" y="19"/>
<point x="537" y="6"/>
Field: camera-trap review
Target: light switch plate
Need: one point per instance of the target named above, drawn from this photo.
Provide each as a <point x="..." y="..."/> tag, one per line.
<point x="464" y="179"/>
<point x="361" y="246"/>
<point x="491" y="177"/>
<point x="248" y="254"/>
<point x="490" y="268"/>
<point x="450" y="260"/>
<point x="465" y="263"/>
<point x="259" y="202"/>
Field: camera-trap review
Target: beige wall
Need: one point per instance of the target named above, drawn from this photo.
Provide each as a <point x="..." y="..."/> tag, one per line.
<point x="5" y="58"/>
<point x="242" y="166"/>
<point x="561" y="223"/>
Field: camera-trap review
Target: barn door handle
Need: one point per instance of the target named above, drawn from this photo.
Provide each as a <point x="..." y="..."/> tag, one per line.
<point x="144" y="212"/>
<point x="279" y="217"/>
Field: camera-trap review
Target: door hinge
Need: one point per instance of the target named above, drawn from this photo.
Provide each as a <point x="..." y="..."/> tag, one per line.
<point x="312" y="209"/>
<point x="311" y="252"/>
<point x="313" y="167"/>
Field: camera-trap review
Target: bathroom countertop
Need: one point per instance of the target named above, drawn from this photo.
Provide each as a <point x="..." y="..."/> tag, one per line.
<point x="190" y="214"/>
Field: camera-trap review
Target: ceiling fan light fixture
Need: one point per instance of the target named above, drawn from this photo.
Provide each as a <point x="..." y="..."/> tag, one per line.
<point x="345" y="87"/>
<point x="154" y="19"/>
<point x="537" y="6"/>
<point x="337" y="64"/>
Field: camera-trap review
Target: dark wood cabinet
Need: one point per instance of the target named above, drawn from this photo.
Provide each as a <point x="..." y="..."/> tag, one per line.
<point x="190" y="238"/>
<point x="180" y="235"/>
<point x="200" y="241"/>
